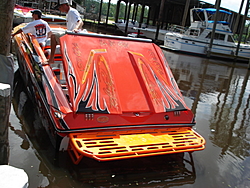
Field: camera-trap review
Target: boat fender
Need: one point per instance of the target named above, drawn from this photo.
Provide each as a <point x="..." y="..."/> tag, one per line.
<point x="64" y="144"/>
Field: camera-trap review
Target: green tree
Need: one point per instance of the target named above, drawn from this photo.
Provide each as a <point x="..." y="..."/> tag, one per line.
<point x="94" y="5"/>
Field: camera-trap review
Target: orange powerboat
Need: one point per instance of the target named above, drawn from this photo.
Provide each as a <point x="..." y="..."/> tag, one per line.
<point x="107" y="97"/>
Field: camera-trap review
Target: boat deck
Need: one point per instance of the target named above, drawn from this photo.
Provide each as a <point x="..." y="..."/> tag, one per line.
<point x="125" y="144"/>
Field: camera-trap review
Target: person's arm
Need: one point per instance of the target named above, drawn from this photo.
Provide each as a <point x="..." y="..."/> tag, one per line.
<point x="49" y="34"/>
<point x="79" y="25"/>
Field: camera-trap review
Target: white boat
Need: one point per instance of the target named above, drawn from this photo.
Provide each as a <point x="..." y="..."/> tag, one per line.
<point x="196" y="39"/>
<point x="150" y="31"/>
<point x="121" y="24"/>
<point x="147" y="31"/>
<point x="24" y="15"/>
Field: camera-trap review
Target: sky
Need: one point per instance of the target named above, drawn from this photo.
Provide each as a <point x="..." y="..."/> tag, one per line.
<point x="233" y="5"/>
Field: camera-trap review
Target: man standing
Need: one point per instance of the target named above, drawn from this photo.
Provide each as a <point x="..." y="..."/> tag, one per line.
<point x="74" y="23"/>
<point x="39" y="28"/>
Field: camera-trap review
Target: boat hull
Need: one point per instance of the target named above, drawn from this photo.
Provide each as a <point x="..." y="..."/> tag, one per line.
<point x="24" y="15"/>
<point x="121" y="25"/>
<point x="36" y="93"/>
<point x="89" y="114"/>
<point x="180" y="43"/>
<point x="18" y="20"/>
<point x="151" y="33"/>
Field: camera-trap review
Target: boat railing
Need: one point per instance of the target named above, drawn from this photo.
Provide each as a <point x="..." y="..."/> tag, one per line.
<point x="177" y="29"/>
<point x="193" y="32"/>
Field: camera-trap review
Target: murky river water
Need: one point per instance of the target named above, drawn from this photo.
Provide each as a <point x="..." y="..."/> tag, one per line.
<point x="218" y="92"/>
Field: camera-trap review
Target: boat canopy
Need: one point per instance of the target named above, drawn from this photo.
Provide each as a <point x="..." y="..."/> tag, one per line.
<point x="219" y="22"/>
<point x="211" y="10"/>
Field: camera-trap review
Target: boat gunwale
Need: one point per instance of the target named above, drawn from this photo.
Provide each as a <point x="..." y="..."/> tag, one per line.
<point x="196" y="40"/>
<point x="109" y="36"/>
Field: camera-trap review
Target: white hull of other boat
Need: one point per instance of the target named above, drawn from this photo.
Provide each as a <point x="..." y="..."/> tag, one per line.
<point x="23" y="15"/>
<point x="18" y="19"/>
<point x="121" y="25"/>
<point x="151" y="32"/>
<point x="179" y="42"/>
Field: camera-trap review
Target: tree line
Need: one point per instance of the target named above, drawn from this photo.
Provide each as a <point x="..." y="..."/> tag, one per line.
<point x="93" y="6"/>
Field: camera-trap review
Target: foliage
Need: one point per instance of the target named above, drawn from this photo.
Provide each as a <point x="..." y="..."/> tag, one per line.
<point x="93" y="6"/>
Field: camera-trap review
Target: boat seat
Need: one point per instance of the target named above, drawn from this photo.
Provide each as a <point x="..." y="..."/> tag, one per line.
<point x="58" y="70"/>
<point x="57" y="66"/>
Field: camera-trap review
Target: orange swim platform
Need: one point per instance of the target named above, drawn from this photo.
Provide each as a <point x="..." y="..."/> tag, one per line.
<point x="115" y="145"/>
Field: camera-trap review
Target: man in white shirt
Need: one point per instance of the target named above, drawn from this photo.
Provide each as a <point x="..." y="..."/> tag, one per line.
<point x="74" y="23"/>
<point x="39" y="28"/>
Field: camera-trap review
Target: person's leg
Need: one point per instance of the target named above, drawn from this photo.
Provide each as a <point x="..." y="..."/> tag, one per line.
<point x="53" y="43"/>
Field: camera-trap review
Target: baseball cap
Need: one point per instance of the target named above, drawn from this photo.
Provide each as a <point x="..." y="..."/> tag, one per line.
<point x="37" y="11"/>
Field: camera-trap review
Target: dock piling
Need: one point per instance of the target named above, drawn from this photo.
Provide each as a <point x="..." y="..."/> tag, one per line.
<point x="5" y="98"/>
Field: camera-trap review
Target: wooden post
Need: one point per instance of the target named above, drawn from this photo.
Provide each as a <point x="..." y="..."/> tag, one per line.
<point x="242" y="28"/>
<point x="141" y="17"/>
<point x="217" y="5"/>
<point x="107" y="17"/>
<point x="248" y="64"/>
<point x="238" y="18"/>
<point x="162" y="5"/>
<point x="6" y="20"/>
<point x="117" y="11"/>
<point x="5" y="101"/>
<point x="184" y="18"/>
<point x="100" y="13"/>
<point x="127" y="19"/>
<point x="126" y="11"/>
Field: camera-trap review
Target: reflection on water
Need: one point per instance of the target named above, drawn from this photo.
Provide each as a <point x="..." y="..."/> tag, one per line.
<point x="217" y="92"/>
<point x="226" y="89"/>
<point x="146" y="172"/>
<point x="220" y="93"/>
